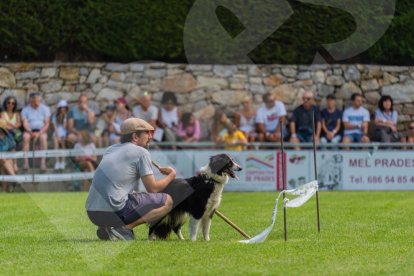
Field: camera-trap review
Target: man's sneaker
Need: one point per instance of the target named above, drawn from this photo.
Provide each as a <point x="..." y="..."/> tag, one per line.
<point x="102" y="233"/>
<point x="57" y="165"/>
<point x="120" y="233"/>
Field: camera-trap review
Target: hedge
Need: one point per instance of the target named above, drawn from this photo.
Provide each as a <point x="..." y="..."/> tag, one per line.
<point x="130" y="30"/>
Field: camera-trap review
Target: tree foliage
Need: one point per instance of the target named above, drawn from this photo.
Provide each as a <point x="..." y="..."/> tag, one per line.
<point x="130" y="30"/>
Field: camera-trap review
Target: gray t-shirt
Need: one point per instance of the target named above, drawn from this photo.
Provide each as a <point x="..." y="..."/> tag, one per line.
<point x="119" y="171"/>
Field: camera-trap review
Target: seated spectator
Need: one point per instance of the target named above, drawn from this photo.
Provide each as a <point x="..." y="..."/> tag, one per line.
<point x="234" y="138"/>
<point x="410" y="136"/>
<point x="103" y="124"/>
<point x="80" y="117"/>
<point x="6" y="167"/>
<point x="386" y="121"/>
<point x="270" y="118"/>
<point x="356" y="119"/>
<point x="36" y="120"/>
<point x="7" y="143"/>
<point x="169" y="117"/>
<point x="11" y="116"/>
<point x="87" y="162"/>
<point x="247" y="120"/>
<point x="331" y="118"/>
<point x="60" y="126"/>
<point x="121" y="114"/>
<point x="218" y="128"/>
<point x="189" y="128"/>
<point x="145" y="110"/>
<point x="301" y="125"/>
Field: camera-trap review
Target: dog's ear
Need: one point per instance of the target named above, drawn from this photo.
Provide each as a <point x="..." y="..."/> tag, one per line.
<point x="217" y="163"/>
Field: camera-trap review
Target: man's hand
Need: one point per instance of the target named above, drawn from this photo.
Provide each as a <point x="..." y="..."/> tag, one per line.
<point x="167" y="171"/>
<point x="330" y="135"/>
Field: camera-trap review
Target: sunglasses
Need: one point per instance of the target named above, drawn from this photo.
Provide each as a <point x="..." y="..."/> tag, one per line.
<point x="306" y="99"/>
<point x="411" y="127"/>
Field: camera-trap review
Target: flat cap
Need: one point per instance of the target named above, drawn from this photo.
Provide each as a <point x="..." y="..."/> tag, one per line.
<point x="131" y="125"/>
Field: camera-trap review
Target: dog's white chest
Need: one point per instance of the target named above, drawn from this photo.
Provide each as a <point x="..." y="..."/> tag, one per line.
<point x="214" y="200"/>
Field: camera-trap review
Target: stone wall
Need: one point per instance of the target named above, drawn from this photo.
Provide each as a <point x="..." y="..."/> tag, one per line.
<point x="202" y="88"/>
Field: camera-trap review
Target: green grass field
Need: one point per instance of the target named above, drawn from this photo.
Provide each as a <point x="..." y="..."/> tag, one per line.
<point x="362" y="233"/>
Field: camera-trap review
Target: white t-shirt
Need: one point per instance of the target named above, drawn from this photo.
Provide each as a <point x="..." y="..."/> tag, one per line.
<point x="355" y="117"/>
<point x="270" y="117"/>
<point x="149" y="115"/>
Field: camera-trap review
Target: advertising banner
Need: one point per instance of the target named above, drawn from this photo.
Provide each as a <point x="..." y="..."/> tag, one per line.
<point x="337" y="170"/>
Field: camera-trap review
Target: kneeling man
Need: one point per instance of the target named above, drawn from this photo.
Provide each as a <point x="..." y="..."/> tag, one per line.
<point x="111" y="204"/>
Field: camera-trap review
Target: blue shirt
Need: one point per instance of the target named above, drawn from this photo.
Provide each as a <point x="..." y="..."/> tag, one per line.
<point x="331" y="118"/>
<point x="36" y="116"/>
<point x="80" y="119"/>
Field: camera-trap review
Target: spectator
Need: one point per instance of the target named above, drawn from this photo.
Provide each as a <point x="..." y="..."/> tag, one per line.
<point x="60" y="126"/>
<point x="7" y="143"/>
<point x="13" y="121"/>
<point x="356" y="119"/>
<point x="122" y="113"/>
<point x="145" y="110"/>
<point x="189" y="128"/>
<point x="169" y="117"/>
<point x="103" y="124"/>
<point x="87" y="162"/>
<point x="234" y="138"/>
<point x="36" y="120"/>
<point x="270" y="118"/>
<point x="218" y="128"/>
<point x="410" y="136"/>
<point x="301" y="125"/>
<point x="80" y="117"/>
<point x="247" y="119"/>
<point x="331" y="122"/>
<point x="386" y="121"/>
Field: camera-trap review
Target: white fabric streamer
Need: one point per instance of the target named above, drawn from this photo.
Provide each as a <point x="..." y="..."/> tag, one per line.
<point x="303" y="193"/>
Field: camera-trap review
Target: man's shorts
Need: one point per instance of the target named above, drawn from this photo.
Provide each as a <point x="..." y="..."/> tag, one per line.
<point x="354" y="137"/>
<point x="137" y="206"/>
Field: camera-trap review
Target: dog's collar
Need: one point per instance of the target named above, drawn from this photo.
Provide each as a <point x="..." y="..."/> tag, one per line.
<point x="206" y="170"/>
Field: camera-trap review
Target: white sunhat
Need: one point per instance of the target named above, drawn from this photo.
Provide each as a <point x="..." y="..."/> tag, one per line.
<point x="62" y="103"/>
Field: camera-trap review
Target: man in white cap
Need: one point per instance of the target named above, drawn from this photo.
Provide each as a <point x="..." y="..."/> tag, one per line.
<point x="111" y="203"/>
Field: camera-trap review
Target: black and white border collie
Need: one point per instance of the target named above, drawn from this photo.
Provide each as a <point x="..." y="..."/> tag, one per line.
<point x="197" y="197"/>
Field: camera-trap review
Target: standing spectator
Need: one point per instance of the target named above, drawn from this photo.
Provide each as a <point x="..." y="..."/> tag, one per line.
<point x="80" y="117"/>
<point x="247" y="119"/>
<point x="122" y="113"/>
<point x="270" y="118"/>
<point x="60" y="125"/>
<point x="36" y="120"/>
<point x="145" y="110"/>
<point x="331" y="122"/>
<point x="13" y="121"/>
<point x="87" y="162"/>
<point x="386" y="121"/>
<point x="218" y="128"/>
<point x="301" y="125"/>
<point x="169" y="116"/>
<point x="234" y="138"/>
<point x="189" y="128"/>
<point x="356" y="119"/>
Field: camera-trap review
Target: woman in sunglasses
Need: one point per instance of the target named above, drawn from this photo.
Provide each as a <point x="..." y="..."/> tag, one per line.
<point x="13" y="121"/>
